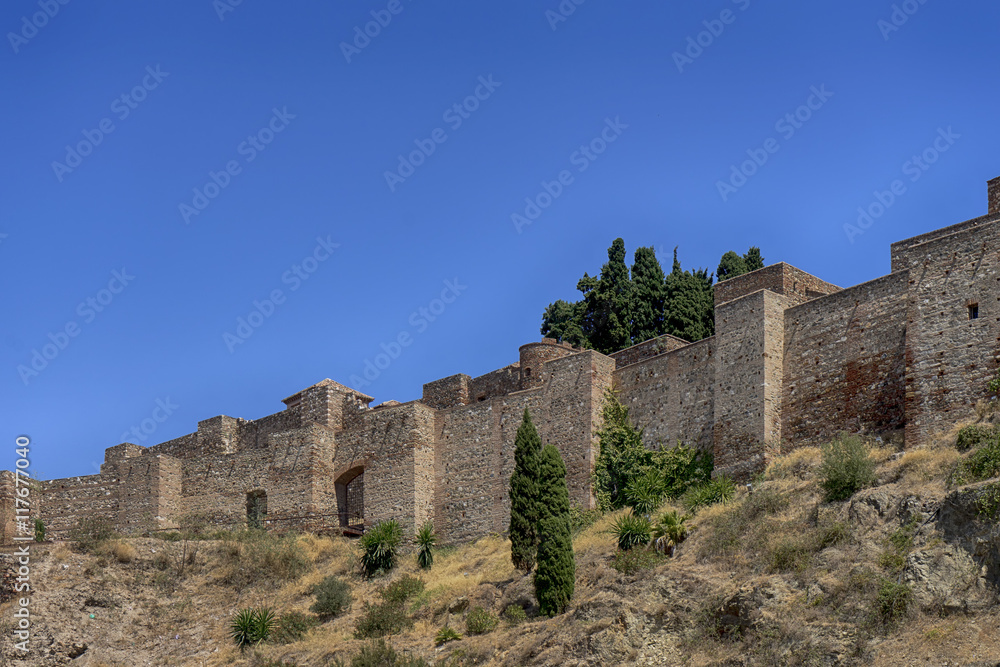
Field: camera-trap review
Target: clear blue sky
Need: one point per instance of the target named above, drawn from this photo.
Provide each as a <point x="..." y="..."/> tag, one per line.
<point x="197" y="87"/>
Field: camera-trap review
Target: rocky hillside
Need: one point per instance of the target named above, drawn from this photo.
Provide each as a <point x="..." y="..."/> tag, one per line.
<point x="903" y="573"/>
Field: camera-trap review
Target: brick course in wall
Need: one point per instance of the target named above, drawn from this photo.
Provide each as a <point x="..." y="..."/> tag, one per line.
<point x="794" y="361"/>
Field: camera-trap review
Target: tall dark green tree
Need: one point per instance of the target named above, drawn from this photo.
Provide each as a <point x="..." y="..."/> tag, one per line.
<point x="648" y="296"/>
<point x="524" y="508"/>
<point x="690" y="309"/>
<point x="733" y="264"/>
<point x="730" y="266"/>
<point x="754" y="260"/>
<point x="555" y="579"/>
<point x="561" y="321"/>
<point x="607" y="321"/>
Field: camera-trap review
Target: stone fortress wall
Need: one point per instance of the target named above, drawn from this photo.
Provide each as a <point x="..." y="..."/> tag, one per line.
<point x="794" y="361"/>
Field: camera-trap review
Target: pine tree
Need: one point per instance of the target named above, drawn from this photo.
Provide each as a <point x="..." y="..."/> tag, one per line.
<point x="555" y="579"/>
<point x="649" y="291"/>
<point x="524" y="495"/>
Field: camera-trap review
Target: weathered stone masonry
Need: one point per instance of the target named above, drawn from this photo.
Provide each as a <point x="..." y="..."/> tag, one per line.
<point x="794" y="361"/>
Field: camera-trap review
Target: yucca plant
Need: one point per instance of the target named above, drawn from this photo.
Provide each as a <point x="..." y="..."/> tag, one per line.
<point x="426" y="539"/>
<point x="669" y="531"/>
<point x="644" y="494"/>
<point x="380" y="545"/>
<point x="251" y="626"/>
<point x="631" y="530"/>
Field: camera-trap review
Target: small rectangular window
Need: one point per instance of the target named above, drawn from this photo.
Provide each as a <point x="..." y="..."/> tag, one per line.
<point x="974" y="311"/>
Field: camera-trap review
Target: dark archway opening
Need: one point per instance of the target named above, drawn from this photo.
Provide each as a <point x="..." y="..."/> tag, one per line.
<point x="350" y="489"/>
<point x="256" y="509"/>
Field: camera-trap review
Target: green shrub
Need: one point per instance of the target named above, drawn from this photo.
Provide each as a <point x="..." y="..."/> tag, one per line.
<point x="380" y="654"/>
<point x="670" y="530"/>
<point x="631" y="530"/>
<point x="380" y="546"/>
<point x="256" y="556"/>
<point x="981" y="464"/>
<point x="683" y="467"/>
<point x="635" y="560"/>
<point x="480" y="621"/>
<point x="333" y="597"/>
<point x="847" y="467"/>
<point x="514" y="614"/>
<point x="623" y="459"/>
<point x="788" y="556"/>
<point x="974" y="435"/>
<point x="445" y="635"/>
<point x="39" y="530"/>
<point x="292" y="627"/>
<point x="426" y="539"/>
<point x="90" y="532"/>
<point x="402" y="589"/>
<point x="379" y="620"/>
<point x="251" y="626"/>
<point x="830" y="534"/>
<point x="718" y="490"/>
<point x="763" y="502"/>
<point x="580" y="519"/>
<point x="892" y="603"/>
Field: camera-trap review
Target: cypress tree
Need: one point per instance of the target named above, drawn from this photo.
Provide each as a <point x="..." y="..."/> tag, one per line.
<point x="607" y="322"/>
<point x="730" y="266"/>
<point x="524" y="495"/>
<point x="754" y="260"/>
<point x="690" y="310"/>
<point x="555" y="579"/>
<point x="649" y="290"/>
<point x="561" y="320"/>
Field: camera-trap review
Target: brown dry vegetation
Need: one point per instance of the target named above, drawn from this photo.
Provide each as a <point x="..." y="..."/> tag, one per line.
<point x="775" y="578"/>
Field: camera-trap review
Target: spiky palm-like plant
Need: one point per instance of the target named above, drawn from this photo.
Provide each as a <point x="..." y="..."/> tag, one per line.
<point x="426" y="539"/>
<point x="631" y="530"/>
<point x="380" y="545"/>
<point x="251" y="626"/>
<point x="669" y="531"/>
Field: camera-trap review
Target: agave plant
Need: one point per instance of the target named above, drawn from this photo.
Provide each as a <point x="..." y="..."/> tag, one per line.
<point x="251" y="626"/>
<point x="669" y="531"/>
<point x="426" y="539"/>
